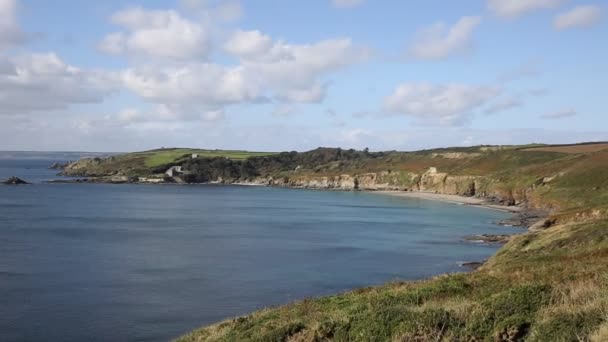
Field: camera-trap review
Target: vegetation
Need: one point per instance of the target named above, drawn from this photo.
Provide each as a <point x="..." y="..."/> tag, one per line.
<point x="577" y="148"/>
<point x="167" y="156"/>
<point x="151" y="162"/>
<point x="549" y="284"/>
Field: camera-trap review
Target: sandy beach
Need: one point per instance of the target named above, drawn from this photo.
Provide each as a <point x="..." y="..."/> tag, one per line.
<point x="451" y="199"/>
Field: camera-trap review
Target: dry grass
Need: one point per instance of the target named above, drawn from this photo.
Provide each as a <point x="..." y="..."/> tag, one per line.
<point x="601" y="334"/>
<point x="573" y="149"/>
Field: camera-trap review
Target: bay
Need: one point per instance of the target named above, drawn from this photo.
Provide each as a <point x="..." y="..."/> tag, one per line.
<point x="102" y="262"/>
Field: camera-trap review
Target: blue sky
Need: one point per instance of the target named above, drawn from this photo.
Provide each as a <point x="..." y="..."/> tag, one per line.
<point x="285" y="75"/>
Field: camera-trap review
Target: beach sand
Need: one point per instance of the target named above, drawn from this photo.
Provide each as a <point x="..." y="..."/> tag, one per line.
<point x="451" y="199"/>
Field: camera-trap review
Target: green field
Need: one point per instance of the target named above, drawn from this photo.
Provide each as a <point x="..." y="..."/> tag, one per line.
<point x="167" y="156"/>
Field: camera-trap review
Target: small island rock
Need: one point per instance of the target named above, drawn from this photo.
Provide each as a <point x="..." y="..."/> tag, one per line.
<point x="14" y="181"/>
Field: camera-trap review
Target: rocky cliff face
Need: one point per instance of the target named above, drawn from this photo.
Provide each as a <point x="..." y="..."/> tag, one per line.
<point x="83" y="167"/>
<point x="430" y="181"/>
<point x="367" y="181"/>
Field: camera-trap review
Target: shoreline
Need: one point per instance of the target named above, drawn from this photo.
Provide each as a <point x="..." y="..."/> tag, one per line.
<point x="454" y="199"/>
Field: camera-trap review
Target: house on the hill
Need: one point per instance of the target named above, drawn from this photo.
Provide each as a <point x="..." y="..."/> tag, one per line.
<point x="194" y="156"/>
<point x="174" y="171"/>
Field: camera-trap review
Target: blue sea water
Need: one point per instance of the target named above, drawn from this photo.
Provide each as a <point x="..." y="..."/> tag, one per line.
<point x="101" y="262"/>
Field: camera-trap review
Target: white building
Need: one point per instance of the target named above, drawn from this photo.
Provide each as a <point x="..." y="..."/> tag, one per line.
<point x="174" y="171"/>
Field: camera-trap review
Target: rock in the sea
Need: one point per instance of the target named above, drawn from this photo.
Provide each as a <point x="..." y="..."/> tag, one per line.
<point x="473" y="265"/>
<point x="14" y="181"/>
<point x="488" y="238"/>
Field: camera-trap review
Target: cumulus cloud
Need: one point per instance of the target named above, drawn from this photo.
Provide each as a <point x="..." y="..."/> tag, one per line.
<point x="445" y="105"/>
<point x="43" y="82"/>
<point x="10" y="32"/>
<point x="156" y="33"/>
<point x="250" y="45"/>
<point x="560" y="114"/>
<point x="346" y="3"/>
<point x="516" y="8"/>
<point x="580" y="16"/>
<point x="440" y="41"/>
<point x="289" y="73"/>
<point x="167" y="113"/>
<point x="267" y="69"/>
<point x="297" y="68"/>
<point x="196" y="83"/>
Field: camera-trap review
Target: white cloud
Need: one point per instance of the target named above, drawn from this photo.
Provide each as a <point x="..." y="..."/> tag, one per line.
<point x="267" y="69"/>
<point x="10" y="32"/>
<point x="346" y="3"/>
<point x="249" y="44"/>
<point x="289" y="73"/>
<point x="293" y="72"/>
<point x="167" y="113"/>
<point x="197" y="83"/>
<point x="156" y="33"/>
<point x="580" y="16"/>
<point x="564" y="113"/>
<point x="440" y="41"/>
<point x="516" y="8"/>
<point x="43" y="82"/>
<point x="446" y="105"/>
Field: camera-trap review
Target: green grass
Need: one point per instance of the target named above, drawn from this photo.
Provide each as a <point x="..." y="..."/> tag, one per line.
<point x="167" y="156"/>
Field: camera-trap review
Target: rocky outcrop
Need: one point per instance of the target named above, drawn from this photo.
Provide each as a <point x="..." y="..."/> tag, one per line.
<point x="82" y="167"/>
<point x="59" y="166"/>
<point x="488" y="238"/>
<point x="432" y="180"/>
<point x="366" y="181"/>
<point x="14" y="181"/>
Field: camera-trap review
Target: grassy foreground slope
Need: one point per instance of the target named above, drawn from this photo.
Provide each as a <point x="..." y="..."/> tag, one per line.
<point x="549" y="284"/>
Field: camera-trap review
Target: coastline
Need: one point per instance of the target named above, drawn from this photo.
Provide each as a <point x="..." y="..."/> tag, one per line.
<point x="455" y="199"/>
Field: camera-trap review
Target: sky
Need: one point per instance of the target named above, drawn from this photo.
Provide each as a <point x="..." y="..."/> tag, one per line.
<point x="276" y="75"/>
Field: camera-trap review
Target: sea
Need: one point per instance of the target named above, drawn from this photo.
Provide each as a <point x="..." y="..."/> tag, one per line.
<point x="104" y="262"/>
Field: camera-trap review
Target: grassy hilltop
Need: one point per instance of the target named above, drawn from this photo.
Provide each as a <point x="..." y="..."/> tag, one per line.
<point x="547" y="284"/>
